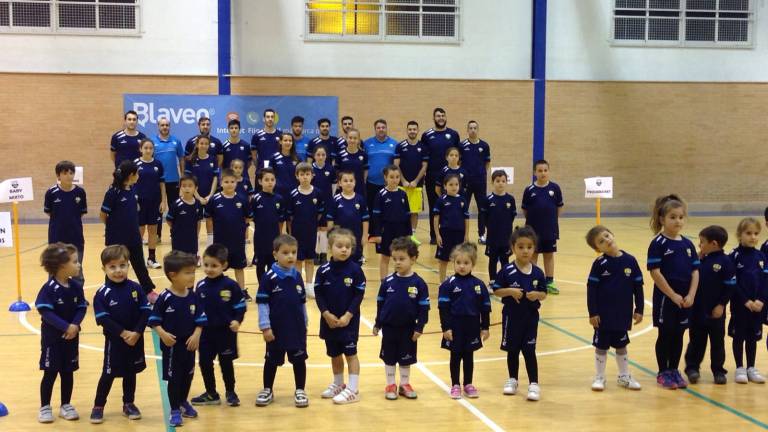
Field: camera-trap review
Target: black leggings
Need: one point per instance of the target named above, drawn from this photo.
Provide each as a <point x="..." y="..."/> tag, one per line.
<point x="105" y="385"/>
<point x="263" y="264"/>
<point x="493" y="260"/>
<point x="479" y="191"/>
<point x="299" y="374"/>
<point x="46" y="387"/>
<point x="469" y="366"/>
<point x="669" y="347"/>
<point x="740" y="345"/>
<point x="531" y="362"/>
<point x="140" y="267"/>
<point x="178" y="390"/>
<point x="171" y="195"/>
<point x="227" y="372"/>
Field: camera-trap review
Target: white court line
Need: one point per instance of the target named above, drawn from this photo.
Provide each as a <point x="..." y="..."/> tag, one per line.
<point x="440" y="383"/>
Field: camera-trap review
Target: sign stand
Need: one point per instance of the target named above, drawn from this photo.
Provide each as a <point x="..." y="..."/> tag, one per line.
<point x="598" y="188"/>
<point x="13" y="191"/>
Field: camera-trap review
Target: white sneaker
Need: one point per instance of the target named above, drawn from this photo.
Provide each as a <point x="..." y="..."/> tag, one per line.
<point x="753" y="375"/>
<point x="628" y="382"/>
<point x="68" y="412"/>
<point x="741" y="376"/>
<point x="534" y="392"/>
<point x="332" y="390"/>
<point x="346" y="396"/>
<point x="153" y="264"/>
<point x="510" y="387"/>
<point x="45" y="415"/>
<point x="598" y="384"/>
<point x="309" y="287"/>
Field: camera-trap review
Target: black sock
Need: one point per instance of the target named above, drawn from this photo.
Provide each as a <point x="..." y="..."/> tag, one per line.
<point x="550" y="280"/>
<point x="455" y="366"/>
<point x="129" y="388"/>
<point x="46" y="387"/>
<point x="300" y="374"/>
<point x="228" y="373"/>
<point x="102" y="390"/>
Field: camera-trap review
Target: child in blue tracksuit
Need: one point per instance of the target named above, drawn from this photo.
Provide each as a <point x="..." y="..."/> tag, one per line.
<point x="323" y="178"/>
<point x="402" y="311"/>
<point x="224" y="307"/>
<point x="204" y="167"/>
<point x="748" y="300"/>
<point x="349" y="210"/>
<point x="614" y="281"/>
<point x="305" y="208"/>
<point x="391" y="216"/>
<point x="150" y="193"/>
<point x="65" y="204"/>
<point x="62" y="307"/>
<point x="499" y="211"/>
<point x="339" y="290"/>
<point x="716" y="282"/>
<point x="178" y="319"/>
<point x="122" y="310"/>
<point x="521" y="286"/>
<point x="283" y="320"/>
<point x="451" y="218"/>
<point x="184" y="217"/>
<point x="465" y="308"/>
<point x="268" y="210"/>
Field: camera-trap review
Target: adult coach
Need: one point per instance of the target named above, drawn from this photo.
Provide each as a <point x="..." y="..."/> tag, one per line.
<point x="476" y="159"/>
<point x="266" y="141"/>
<point x="300" y="141"/>
<point x="170" y="152"/>
<point x="216" y="148"/>
<point x="381" y="152"/>
<point x="347" y="123"/>
<point x="437" y="141"/>
<point x="125" y="142"/>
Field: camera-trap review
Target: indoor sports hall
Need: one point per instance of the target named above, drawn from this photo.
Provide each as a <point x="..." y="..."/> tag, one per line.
<point x="609" y="105"/>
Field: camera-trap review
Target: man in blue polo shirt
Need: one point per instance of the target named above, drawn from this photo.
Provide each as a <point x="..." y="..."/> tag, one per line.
<point x="381" y="152"/>
<point x="169" y="150"/>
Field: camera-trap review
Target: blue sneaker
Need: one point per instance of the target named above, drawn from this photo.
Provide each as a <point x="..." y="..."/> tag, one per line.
<point x="131" y="411"/>
<point x="187" y="410"/>
<point x="232" y="399"/>
<point x="667" y="380"/>
<point x="97" y="415"/>
<point x="175" y="419"/>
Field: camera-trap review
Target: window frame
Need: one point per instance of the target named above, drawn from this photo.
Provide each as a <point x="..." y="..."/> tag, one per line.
<point x="682" y="19"/>
<point x="54" y="27"/>
<point x="382" y="13"/>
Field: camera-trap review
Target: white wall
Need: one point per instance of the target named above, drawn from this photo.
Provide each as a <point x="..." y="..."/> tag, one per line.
<point x="578" y="48"/>
<point x="268" y="41"/>
<point x="179" y="37"/>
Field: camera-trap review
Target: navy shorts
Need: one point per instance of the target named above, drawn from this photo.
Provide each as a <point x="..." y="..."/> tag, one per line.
<point x="120" y="359"/>
<point x="466" y="335"/>
<point x="60" y="355"/>
<point x="497" y="250"/>
<point x="149" y="212"/>
<point x="667" y="313"/>
<point x="307" y="244"/>
<point x="218" y="341"/>
<point x="451" y="239"/>
<point x="389" y="232"/>
<point x="519" y="330"/>
<point x="177" y="360"/>
<point x="277" y="355"/>
<point x="397" y="346"/>
<point x="335" y="348"/>
<point x="745" y="325"/>
<point x="236" y="254"/>
<point x="544" y="245"/>
<point x="605" y="339"/>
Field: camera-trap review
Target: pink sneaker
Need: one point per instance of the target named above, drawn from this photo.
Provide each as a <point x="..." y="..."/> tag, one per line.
<point x="456" y="392"/>
<point x="470" y="391"/>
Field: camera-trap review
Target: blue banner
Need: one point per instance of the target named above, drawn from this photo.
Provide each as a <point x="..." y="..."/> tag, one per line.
<point x="184" y="111"/>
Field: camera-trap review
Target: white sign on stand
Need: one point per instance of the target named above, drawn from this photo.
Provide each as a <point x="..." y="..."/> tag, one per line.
<point x="598" y="187"/>
<point x="78" y="180"/>
<point x="6" y="230"/>
<point x="15" y="190"/>
<point x="510" y="173"/>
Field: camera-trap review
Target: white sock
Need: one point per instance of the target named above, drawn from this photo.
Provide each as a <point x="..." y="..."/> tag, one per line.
<point x="622" y="361"/>
<point x="600" y="359"/>
<point x="390" y="371"/>
<point x="354" y="381"/>
<point x="208" y="240"/>
<point x="322" y="242"/>
<point x="338" y="379"/>
<point x="405" y="374"/>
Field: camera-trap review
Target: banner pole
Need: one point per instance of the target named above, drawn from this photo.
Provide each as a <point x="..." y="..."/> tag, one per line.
<point x="597" y="205"/>
<point x="19" y="305"/>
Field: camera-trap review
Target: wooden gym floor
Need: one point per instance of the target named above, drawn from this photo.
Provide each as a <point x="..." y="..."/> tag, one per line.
<point x="566" y="362"/>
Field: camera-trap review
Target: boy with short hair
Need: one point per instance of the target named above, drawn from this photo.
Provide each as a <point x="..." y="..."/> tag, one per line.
<point x="178" y="319"/>
<point x="235" y="148"/>
<point x="305" y="207"/>
<point x="717" y="278"/>
<point x="499" y="210"/>
<point x="542" y="206"/>
<point x="65" y="204"/>
<point x="224" y="306"/>
<point x="283" y="320"/>
<point x="231" y="215"/>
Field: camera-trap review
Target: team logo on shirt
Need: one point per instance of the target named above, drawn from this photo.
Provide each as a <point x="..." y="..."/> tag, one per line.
<point x="135" y="295"/>
<point x="357" y="206"/>
<point x="447" y="136"/>
<point x="314" y="200"/>
<point x="535" y="283"/>
<point x="327" y="173"/>
<point x="77" y="200"/>
<point x="716" y="267"/>
<point x="689" y="252"/>
<point x="462" y="204"/>
<point x="509" y="205"/>
<point x="192" y="309"/>
<point x="225" y="295"/>
<point x="112" y="303"/>
<point x="412" y="291"/>
<point x="477" y="289"/>
<point x="627" y="271"/>
<point x="299" y="288"/>
<point x="480" y="149"/>
<point x="238" y="205"/>
<point x="348" y="281"/>
<point x="551" y="193"/>
<point x="418" y="149"/>
<point x="761" y="264"/>
<point x="156" y="169"/>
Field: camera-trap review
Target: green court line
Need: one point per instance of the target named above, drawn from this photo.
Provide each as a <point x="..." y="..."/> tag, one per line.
<point x="163" y="383"/>
<point x="650" y="372"/>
